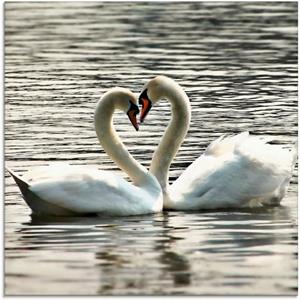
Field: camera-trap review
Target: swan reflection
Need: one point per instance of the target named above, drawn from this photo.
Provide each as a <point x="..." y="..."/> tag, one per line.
<point x="170" y="252"/>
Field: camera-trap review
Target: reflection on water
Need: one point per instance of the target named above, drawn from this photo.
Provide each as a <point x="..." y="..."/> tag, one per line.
<point x="167" y="253"/>
<point x="238" y="64"/>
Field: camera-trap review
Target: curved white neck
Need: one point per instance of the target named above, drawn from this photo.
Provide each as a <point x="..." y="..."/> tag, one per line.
<point x="112" y="144"/>
<point x="174" y="134"/>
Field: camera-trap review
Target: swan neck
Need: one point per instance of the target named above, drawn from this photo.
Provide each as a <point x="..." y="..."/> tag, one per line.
<point x="112" y="144"/>
<point x="173" y="136"/>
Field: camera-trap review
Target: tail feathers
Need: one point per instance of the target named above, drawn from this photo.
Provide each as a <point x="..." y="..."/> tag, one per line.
<point x="22" y="184"/>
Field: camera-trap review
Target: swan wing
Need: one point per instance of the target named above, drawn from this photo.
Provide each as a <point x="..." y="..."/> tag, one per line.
<point x="212" y="159"/>
<point x="48" y="172"/>
<point x="235" y="172"/>
<point x="88" y="190"/>
<point x="224" y="145"/>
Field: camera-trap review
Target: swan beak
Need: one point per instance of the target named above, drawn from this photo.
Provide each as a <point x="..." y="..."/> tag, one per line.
<point x="146" y="105"/>
<point x="132" y="112"/>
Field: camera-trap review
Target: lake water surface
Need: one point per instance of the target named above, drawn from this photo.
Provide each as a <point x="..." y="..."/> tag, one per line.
<point x="237" y="61"/>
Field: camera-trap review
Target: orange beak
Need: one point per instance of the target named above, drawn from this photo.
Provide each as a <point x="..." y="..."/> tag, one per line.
<point x="146" y="105"/>
<point x="132" y="117"/>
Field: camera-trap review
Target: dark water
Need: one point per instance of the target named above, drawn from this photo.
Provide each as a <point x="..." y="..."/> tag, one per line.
<point x="237" y="62"/>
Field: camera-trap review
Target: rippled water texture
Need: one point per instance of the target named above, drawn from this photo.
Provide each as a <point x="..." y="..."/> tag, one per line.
<point x="237" y="62"/>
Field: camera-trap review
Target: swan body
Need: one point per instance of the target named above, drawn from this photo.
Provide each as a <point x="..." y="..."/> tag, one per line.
<point x="239" y="171"/>
<point x="63" y="189"/>
<point x="233" y="172"/>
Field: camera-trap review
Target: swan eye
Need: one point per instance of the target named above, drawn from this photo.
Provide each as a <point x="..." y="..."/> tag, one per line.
<point x="132" y="112"/>
<point x="146" y="105"/>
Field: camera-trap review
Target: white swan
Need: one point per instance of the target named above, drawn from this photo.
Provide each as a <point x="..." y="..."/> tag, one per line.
<point x="233" y="172"/>
<point x="62" y="189"/>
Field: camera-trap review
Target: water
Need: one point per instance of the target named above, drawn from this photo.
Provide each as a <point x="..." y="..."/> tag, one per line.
<point x="238" y="64"/>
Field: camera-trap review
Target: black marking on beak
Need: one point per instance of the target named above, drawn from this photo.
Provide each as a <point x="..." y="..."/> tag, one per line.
<point x="132" y="112"/>
<point x="146" y="105"/>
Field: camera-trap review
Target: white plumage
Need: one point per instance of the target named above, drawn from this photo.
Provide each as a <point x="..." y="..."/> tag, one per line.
<point x="63" y="189"/>
<point x="237" y="171"/>
<point x="233" y="172"/>
<point x="85" y="190"/>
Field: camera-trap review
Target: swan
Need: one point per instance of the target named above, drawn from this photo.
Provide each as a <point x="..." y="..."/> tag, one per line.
<point x="63" y="189"/>
<point x="233" y="172"/>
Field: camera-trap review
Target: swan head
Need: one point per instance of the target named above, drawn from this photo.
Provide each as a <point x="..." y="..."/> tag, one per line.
<point x="153" y="91"/>
<point x="126" y="101"/>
